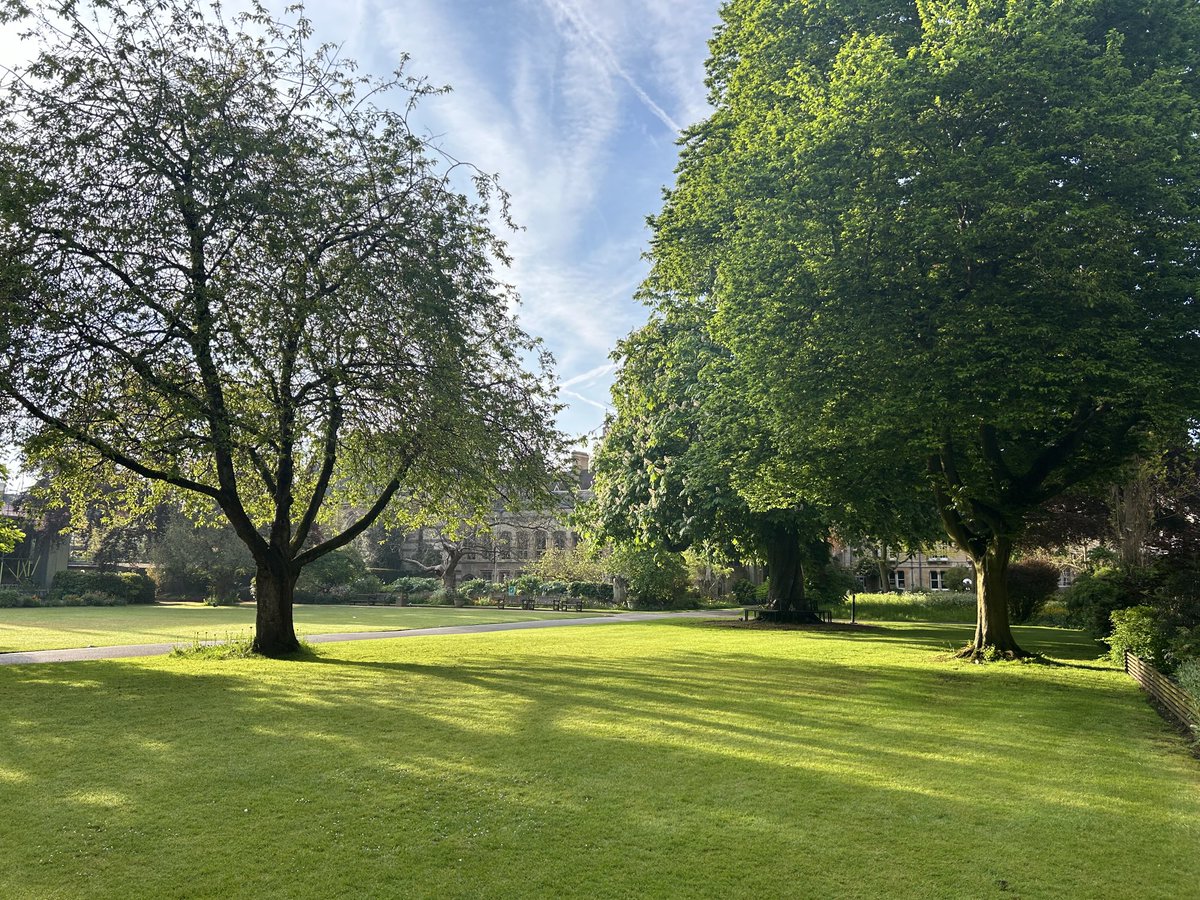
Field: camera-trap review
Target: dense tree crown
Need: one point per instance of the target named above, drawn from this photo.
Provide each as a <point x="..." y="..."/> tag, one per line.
<point x="953" y="241"/>
<point x="226" y="269"/>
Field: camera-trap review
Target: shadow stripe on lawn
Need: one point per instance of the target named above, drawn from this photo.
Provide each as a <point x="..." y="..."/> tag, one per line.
<point x="127" y="651"/>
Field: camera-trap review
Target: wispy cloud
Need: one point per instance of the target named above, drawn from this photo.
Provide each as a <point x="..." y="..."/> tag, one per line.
<point x="607" y="58"/>
<point x="590" y="375"/>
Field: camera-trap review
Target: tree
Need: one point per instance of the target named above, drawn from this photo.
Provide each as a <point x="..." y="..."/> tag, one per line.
<point x="185" y="553"/>
<point x="10" y="532"/>
<point x="227" y="270"/>
<point x="685" y="447"/>
<point x="951" y="241"/>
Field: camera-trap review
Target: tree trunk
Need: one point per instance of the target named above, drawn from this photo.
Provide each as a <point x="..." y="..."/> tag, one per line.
<point x="785" y="593"/>
<point x="993" y="635"/>
<point x="274" y="633"/>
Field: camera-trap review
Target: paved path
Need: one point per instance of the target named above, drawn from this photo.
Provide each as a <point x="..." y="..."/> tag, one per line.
<point x="131" y="650"/>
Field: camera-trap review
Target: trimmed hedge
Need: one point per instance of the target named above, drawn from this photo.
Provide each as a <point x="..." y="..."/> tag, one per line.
<point x="130" y="587"/>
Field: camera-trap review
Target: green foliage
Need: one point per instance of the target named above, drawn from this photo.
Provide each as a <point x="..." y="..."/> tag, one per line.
<point x="475" y="589"/>
<point x="10" y="535"/>
<point x="1031" y="583"/>
<point x="654" y="578"/>
<point x="128" y="587"/>
<point x="591" y="590"/>
<point x="526" y="585"/>
<point x="561" y="587"/>
<point x="743" y="591"/>
<point x="1135" y="629"/>
<point x="333" y="572"/>
<point x="1093" y="598"/>
<point x="905" y="216"/>
<point x="231" y="267"/>
<point x="409" y="584"/>
<point x="446" y="597"/>
<point x="583" y="562"/>
<point x="956" y="575"/>
<point x="830" y="584"/>
<point x="1188" y="676"/>
<point x="194" y="559"/>
<point x="11" y="598"/>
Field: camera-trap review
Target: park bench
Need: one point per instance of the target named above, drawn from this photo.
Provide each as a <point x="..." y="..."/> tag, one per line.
<point x="370" y="600"/>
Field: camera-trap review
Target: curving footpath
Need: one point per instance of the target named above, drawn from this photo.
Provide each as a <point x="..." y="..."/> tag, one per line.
<point x="127" y="651"/>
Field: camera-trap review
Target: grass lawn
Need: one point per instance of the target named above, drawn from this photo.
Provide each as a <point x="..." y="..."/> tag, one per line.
<point x="657" y="759"/>
<point x="947" y="607"/>
<point x="53" y="628"/>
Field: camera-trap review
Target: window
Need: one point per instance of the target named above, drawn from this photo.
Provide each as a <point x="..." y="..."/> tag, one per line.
<point x="560" y="540"/>
<point x="503" y="577"/>
<point x="504" y="544"/>
<point x="522" y="545"/>
<point x="539" y="542"/>
<point x="896" y="579"/>
<point x="937" y="580"/>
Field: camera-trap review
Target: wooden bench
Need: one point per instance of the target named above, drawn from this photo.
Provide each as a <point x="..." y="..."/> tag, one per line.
<point x="370" y="600"/>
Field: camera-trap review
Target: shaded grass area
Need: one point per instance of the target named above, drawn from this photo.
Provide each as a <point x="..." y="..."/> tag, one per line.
<point x="53" y="628"/>
<point x="631" y="760"/>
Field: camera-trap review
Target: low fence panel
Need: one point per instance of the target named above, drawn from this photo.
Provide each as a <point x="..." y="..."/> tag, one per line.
<point x="1178" y="702"/>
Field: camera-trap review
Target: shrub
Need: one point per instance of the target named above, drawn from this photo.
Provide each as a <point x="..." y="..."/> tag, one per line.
<point x="413" y="585"/>
<point x="128" y="587"/>
<point x="557" y="587"/>
<point x="445" y="597"/>
<point x="743" y="591"/>
<point x="1030" y="583"/>
<point x="1093" y="598"/>
<point x="955" y="576"/>
<point x="333" y="571"/>
<point x="365" y="584"/>
<point x="11" y="598"/>
<point x="1135" y="630"/>
<point x="831" y="584"/>
<point x="526" y="585"/>
<point x="1054" y="613"/>
<point x="475" y="589"/>
<point x="762" y="591"/>
<point x="1188" y="676"/>
<point x="593" y="590"/>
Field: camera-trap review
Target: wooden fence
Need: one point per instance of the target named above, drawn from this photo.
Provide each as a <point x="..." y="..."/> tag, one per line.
<point x="1173" y="698"/>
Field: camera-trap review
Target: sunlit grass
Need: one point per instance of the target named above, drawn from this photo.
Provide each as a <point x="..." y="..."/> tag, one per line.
<point x="629" y="760"/>
<point x="53" y="628"/>
<point x="946" y="607"/>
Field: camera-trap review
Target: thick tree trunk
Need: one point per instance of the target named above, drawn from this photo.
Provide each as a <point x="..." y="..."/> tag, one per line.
<point x="785" y="593"/>
<point x="993" y="635"/>
<point x="274" y="633"/>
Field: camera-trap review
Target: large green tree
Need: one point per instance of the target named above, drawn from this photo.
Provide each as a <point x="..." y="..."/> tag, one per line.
<point x="953" y="240"/>
<point x="228" y="270"/>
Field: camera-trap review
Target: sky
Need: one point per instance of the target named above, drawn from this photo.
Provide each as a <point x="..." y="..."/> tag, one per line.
<point x="576" y="105"/>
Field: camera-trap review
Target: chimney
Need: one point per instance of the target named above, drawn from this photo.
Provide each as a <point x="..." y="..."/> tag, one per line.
<point x="580" y="460"/>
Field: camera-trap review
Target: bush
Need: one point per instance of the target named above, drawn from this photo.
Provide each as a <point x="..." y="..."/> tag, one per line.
<point x="592" y="590"/>
<point x="1188" y="676"/>
<point x="831" y="584"/>
<point x="526" y="585"/>
<point x="365" y="584"/>
<point x="332" y="572"/>
<point x="1135" y="630"/>
<point x="1031" y="582"/>
<point x="127" y="587"/>
<point x="743" y="591"/>
<point x="955" y="576"/>
<point x="558" y="587"/>
<point x="475" y="589"/>
<point x="412" y="585"/>
<point x="1093" y="598"/>
<point x="444" y="597"/>
<point x="11" y="598"/>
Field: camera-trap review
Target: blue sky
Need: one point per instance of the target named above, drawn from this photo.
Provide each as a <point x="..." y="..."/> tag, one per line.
<point x="576" y="104"/>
